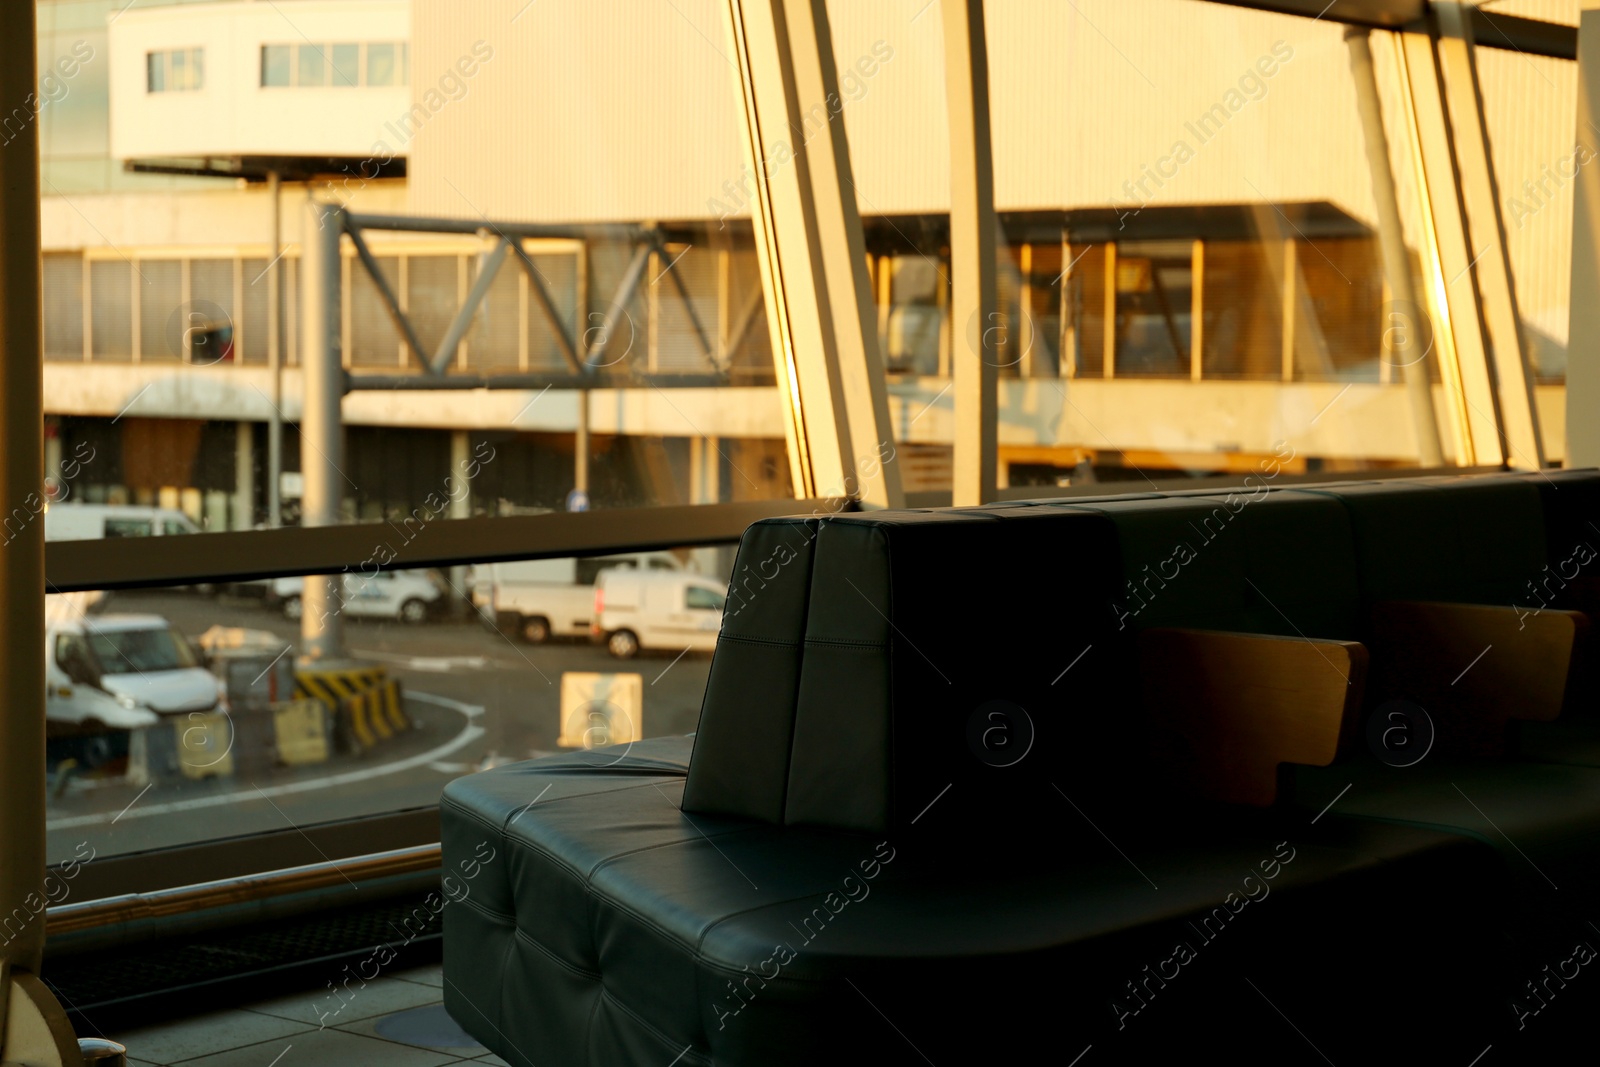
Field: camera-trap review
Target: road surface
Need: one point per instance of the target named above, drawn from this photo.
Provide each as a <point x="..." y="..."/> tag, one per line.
<point x="474" y="694"/>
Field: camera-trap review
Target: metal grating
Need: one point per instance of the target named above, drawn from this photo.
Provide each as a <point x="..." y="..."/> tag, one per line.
<point x="96" y="986"/>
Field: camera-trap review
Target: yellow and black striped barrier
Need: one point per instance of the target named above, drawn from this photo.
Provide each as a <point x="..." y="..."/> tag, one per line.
<point x="376" y="714"/>
<point x="365" y="700"/>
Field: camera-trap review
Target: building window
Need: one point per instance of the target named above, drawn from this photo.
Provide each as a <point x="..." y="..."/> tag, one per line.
<point x="313" y="67"/>
<point x="176" y="71"/>
<point x="382" y="65"/>
<point x="344" y="64"/>
<point x="275" y="70"/>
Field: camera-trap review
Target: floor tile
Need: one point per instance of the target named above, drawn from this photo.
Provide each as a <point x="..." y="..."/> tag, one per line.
<point x="324" y="1007"/>
<point x="433" y="976"/>
<point x="491" y="1058"/>
<point x="202" y="1034"/>
<point x="326" y="1048"/>
<point x="427" y="1027"/>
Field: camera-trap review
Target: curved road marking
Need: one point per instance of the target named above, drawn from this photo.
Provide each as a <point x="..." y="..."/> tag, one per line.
<point x="469" y="733"/>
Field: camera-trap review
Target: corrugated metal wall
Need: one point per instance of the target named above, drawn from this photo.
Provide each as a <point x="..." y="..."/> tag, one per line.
<point x="619" y="110"/>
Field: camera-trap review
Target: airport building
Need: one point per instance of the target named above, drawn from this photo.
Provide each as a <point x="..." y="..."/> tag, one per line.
<point x="1180" y="289"/>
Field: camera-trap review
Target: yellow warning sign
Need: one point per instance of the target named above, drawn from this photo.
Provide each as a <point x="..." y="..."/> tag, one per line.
<point x="600" y="709"/>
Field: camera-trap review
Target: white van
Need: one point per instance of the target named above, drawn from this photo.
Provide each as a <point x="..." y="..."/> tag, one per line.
<point x="636" y="609"/>
<point x="544" y="598"/>
<point x="123" y="672"/>
<point x="88" y="522"/>
<point x="410" y="596"/>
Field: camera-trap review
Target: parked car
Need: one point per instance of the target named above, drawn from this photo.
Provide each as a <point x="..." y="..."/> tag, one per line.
<point x="410" y="596"/>
<point x="87" y="522"/>
<point x="636" y="609"/>
<point x="123" y="672"/>
<point x="544" y="598"/>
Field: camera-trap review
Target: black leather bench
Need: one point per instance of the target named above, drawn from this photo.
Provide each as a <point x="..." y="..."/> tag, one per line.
<point x="942" y="801"/>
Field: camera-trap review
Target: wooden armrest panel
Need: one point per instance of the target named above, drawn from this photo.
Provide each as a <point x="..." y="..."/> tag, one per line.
<point x="1225" y="709"/>
<point x="1474" y="667"/>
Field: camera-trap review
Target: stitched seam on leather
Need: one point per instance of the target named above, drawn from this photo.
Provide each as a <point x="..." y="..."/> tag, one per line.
<point x="772" y="642"/>
<point x="529" y="845"/>
<point x="799" y="673"/>
<point x="670" y="1044"/>
<point x="699" y="946"/>
<point x="458" y="807"/>
<point x="509" y="918"/>
<point x="845" y="642"/>
<point x="564" y="964"/>
<point x="671" y="844"/>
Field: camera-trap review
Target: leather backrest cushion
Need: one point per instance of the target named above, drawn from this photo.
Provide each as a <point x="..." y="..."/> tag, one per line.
<point x="1465" y="539"/>
<point x="1258" y="562"/>
<point x="741" y="754"/>
<point x="1571" y="501"/>
<point x="917" y="622"/>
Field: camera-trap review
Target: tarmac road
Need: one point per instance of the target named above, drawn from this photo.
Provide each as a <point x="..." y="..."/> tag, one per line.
<point x="474" y="694"/>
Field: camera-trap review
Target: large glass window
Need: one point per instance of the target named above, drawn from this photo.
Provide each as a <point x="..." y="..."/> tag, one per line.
<point x="1191" y="260"/>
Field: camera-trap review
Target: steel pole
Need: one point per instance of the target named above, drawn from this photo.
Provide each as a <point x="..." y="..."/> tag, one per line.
<point x="581" y="446"/>
<point x="321" y="430"/>
<point x="33" y="1028"/>
<point x="22" y="782"/>
<point x="275" y="359"/>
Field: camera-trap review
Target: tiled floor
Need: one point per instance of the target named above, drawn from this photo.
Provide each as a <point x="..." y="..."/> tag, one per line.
<point x="395" y="1021"/>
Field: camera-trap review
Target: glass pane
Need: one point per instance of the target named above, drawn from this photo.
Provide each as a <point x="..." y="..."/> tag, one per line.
<point x="381" y="64"/>
<point x="347" y="65"/>
<point x="197" y="69"/>
<point x="182" y="74"/>
<point x="1529" y="106"/>
<point x="313" y="65"/>
<point x="1189" y="264"/>
<point x="163" y="321"/>
<point x="182" y="702"/>
<point x="275" y="64"/>
<point x="63" y="306"/>
<point x="156" y="70"/>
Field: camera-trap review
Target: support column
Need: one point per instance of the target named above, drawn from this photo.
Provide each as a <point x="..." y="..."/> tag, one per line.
<point x="1402" y="327"/>
<point x="321" y="428"/>
<point x="1506" y="349"/>
<point x="244" y="476"/>
<point x="275" y="358"/>
<point x="972" y="253"/>
<point x="33" y="1028"/>
<point x="812" y="252"/>
<point x="1583" y="338"/>
<point x="460" y="507"/>
<point x="581" y="446"/>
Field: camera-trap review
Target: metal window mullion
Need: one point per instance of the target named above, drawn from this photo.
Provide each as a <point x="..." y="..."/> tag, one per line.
<point x="1583" y="316"/>
<point x="88" y="309"/>
<point x="1197" y="274"/>
<point x="136" y="311"/>
<point x="973" y="250"/>
<point x="1511" y="374"/>
<point x="1289" y="282"/>
<point x="236" y="320"/>
<point x="523" y="321"/>
<point x="1452" y="289"/>
<point x="346" y="302"/>
<point x="1108" y="350"/>
<point x="812" y="251"/>
<point x="403" y="302"/>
